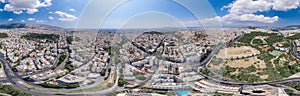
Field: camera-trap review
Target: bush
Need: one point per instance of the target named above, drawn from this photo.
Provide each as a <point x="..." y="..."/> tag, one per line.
<point x="251" y="69"/>
<point x="247" y="77"/>
<point x="70" y="67"/>
<point x="258" y="42"/>
<point x="286" y="44"/>
<point x="272" y="38"/>
<point x="102" y="73"/>
<point x="140" y="77"/>
<point x="121" y="82"/>
<point x="295" y="86"/>
<point x="3" y="35"/>
<point x="48" y="85"/>
<point x="9" y="89"/>
<point x="217" y="61"/>
<point x="294" y="37"/>
<point x="61" y="59"/>
<point x="70" y="39"/>
<point x="247" y="38"/>
<point x="203" y="71"/>
<point x="229" y="69"/>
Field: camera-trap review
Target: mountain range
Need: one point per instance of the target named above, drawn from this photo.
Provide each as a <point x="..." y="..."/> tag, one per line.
<point x="23" y="25"/>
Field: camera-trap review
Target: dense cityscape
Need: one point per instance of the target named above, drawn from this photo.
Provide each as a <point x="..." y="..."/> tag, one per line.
<point x="239" y="61"/>
<point x="149" y="48"/>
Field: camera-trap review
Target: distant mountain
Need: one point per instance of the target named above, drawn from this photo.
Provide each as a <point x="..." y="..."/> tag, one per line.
<point x="23" y="25"/>
<point x="293" y="27"/>
<point x="10" y="26"/>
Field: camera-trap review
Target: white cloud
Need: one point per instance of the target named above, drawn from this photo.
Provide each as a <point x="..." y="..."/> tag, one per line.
<point x="18" y="12"/>
<point x="30" y="6"/>
<point x="284" y="5"/>
<point x="248" y="6"/>
<point x="2" y="1"/>
<point x="65" y="16"/>
<point x="40" y="21"/>
<point x="1" y="10"/>
<point x="257" y="18"/>
<point x="31" y="19"/>
<point x="252" y="6"/>
<point x="231" y="18"/>
<point x="50" y="17"/>
<point x="10" y="19"/>
<point x="244" y="11"/>
<point x="32" y="11"/>
<point x="22" y="20"/>
<point x="73" y="10"/>
<point x="50" y="12"/>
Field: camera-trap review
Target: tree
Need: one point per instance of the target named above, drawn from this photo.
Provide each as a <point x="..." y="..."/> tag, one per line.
<point x="9" y="89"/>
<point x="3" y="35"/>
<point x="70" y="67"/>
<point x="251" y="68"/>
<point x="36" y="36"/>
<point x="122" y="81"/>
<point x="61" y="59"/>
<point x="102" y="73"/>
<point x="140" y="77"/>
<point x="70" y="39"/>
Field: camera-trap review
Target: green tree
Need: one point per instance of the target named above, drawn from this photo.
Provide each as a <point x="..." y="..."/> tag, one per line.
<point x="121" y="81"/>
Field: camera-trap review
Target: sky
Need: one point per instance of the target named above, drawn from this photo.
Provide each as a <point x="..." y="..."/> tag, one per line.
<point x="62" y="13"/>
<point x="151" y="13"/>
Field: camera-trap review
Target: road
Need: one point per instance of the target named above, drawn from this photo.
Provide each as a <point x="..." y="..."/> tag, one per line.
<point x="113" y="88"/>
<point x="62" y="64"/>
<point x="293" y="51"/>
<point x="293" y="47"/>
<point x="15" y="81"/>
<point x="3" y="79"/>
<point x="208" y="59"/>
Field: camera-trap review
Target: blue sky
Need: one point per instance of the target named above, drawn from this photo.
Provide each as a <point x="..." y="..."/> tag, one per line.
<point x="151" y="13"/>
<point x="70" y="7"/>
<point x="288" y="11"/>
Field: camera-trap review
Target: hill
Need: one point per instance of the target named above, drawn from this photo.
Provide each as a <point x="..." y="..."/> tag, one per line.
<point x="293" y="27"/>
<point x="23" y="25"/>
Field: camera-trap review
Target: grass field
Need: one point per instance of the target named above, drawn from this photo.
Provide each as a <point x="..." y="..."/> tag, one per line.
<point x="234" y="52"/>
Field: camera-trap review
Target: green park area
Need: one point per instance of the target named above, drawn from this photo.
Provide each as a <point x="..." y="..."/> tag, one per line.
<point x="36" y="37"/>
<point x="296" y="36"/>
<point x="272" y="63"/>
<point x="270" y="37"/>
